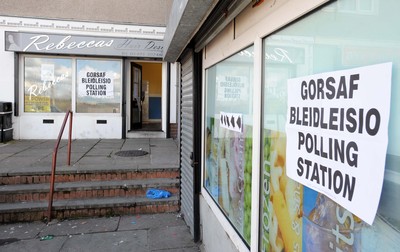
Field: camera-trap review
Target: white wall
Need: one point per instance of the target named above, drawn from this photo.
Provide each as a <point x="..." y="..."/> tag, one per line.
<point x="173" y="92"/>
<point x="214" y="236"/>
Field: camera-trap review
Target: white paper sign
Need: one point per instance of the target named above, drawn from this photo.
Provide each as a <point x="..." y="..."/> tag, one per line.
<point x="337" y="135"/>
<point x="231" y="121"/>
<point x="96" y="84"/>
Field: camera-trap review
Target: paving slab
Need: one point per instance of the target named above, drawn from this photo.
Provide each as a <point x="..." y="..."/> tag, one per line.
<point x="177" y="237"/>
<point x="4" y="155"/>
<point x="35" y="245"/>
<point x="191" y="249"/>
<point x="165" y="158"/>
<point x="21" y="231"/>
<point x="34" y="152"/>
<point x="99" y="152"/>
<point x="138" y="141"/>
<point x="79" y="226"/>
<point x="147" y="233"/>
<point x="132" y="160"/>
<point x="107" y="242"/>
<point x="149" y="221"/>
<point x="99" y="160"/>
<point x="12" y="163"/>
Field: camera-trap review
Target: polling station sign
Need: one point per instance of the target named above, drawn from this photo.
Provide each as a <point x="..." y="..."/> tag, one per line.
<point x="337" y="135"/>
<point x="96" y="84"/>
<point x="232" y="88"/>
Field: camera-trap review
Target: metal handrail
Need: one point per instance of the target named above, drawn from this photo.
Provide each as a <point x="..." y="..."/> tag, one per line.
<point x="54" y="161"/>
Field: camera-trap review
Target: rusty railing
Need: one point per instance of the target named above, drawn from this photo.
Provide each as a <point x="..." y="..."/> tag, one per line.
<point x="54" y="161"/>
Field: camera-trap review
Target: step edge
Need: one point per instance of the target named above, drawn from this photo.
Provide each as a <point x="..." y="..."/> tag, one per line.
<point x="88" y="203"/>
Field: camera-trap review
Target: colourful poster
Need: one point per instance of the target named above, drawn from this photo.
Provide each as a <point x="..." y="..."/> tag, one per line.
<point x="228" y="172"/>
<point x="297" y="218"/>
<point x="282" y="204"/>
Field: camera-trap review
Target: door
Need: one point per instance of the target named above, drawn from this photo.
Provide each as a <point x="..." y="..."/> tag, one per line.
<point x="136" y="96"/>
<point x="190" y="125"/>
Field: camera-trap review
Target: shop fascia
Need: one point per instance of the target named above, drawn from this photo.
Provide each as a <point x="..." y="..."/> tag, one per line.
<point x="82" y="45"/>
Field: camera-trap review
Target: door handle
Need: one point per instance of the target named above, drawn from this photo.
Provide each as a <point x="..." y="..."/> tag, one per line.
<point x="193" y="163"/>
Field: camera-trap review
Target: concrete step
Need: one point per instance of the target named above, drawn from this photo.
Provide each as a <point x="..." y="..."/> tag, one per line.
<point x="110" y="206"/>
<point x="73" y="175"/>
<point x="85" y="189"/>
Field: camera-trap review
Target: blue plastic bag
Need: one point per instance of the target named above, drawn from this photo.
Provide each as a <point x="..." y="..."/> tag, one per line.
<point x="157" y="194"/>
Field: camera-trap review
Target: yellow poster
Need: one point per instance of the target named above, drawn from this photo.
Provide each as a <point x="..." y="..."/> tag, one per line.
<point x="286" y="197"/>
<point x="38" y="104"/>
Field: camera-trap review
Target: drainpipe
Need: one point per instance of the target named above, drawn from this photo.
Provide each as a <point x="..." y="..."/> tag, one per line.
<point x="168" y="131"/>
<point x="125" y="79"/>
<point x="197" y="103"/>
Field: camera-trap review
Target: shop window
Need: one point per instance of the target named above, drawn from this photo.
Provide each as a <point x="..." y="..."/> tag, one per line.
<point x="98" y="86"/>
<point x="356" y="7"/>
<point x="47" y="84"/>
<point x="229" y="126"/>
<point x="295" y="217"/>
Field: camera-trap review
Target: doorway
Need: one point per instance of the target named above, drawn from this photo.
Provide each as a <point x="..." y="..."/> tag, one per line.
<point x="144" y="108"/>
<point x="136" y="96"/>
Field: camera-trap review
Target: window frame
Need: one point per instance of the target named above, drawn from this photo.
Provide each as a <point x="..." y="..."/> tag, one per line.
<point x="74" y="89"/>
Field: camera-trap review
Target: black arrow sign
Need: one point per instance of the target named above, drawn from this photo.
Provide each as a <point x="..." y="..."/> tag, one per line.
<point x="239" y="122"/>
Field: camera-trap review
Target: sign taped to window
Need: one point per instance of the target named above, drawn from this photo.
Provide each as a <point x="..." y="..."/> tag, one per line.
<point x="96" y="84"/>
<point x="337" y="135"/>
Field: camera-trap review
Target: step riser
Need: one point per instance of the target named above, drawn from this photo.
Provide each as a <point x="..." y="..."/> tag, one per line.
<point x="81" y="194"/>
<point x="88" y="212"/>
<point x="78" y="177"/>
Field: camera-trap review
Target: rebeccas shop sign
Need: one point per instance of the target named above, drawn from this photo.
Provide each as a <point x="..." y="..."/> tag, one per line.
<point x="82" y="45"/>
<point x="337" y="135"/>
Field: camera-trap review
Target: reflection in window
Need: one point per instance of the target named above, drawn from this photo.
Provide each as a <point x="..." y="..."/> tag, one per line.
<point x="98" y="86"/>
<point x="229" y="124"/>
<point x="47" y="84"/>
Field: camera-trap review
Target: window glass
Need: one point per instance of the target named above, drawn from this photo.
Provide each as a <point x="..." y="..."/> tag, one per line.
<point x="98" y="86"/>
<point x="229" y="128"/>
<point x="47" y="84"/>
<point x="295" y="217"/>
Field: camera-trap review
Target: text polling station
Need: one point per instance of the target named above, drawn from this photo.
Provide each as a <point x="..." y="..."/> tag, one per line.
<point x="337" y="134"/>
<point x="96" y="84"/>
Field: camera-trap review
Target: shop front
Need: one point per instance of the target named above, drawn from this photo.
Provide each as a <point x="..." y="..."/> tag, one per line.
<point x="102" y="79"/>
<point x="300" y="140"/>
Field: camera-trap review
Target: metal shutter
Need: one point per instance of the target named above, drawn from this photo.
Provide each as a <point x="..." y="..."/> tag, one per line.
<point x="186" y="139"/>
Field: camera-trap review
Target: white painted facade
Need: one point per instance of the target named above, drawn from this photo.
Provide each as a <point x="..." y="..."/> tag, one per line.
<point x="30" y="125"/>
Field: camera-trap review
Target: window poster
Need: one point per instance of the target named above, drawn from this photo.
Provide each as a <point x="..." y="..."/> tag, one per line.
<point x="96" y="84"/>
<point x="228" y="172"/>
<point x="297" y="218"/>
<point x="39" y="104"/>
<point x="282" y="198"/>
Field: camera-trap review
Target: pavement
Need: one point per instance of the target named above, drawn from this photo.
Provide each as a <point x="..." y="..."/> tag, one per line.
<point x="156" y="232"/>
<point x="35" y="156"/>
